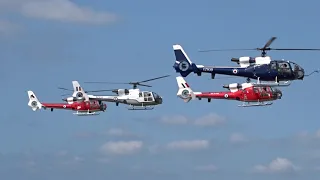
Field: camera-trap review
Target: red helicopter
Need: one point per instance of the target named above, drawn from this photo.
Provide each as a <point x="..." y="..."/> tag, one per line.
<point x="251" y="94"/>
<point x="82" y="107"/>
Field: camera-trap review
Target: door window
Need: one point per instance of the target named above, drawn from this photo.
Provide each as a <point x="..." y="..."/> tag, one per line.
<point x="273" y="66"/>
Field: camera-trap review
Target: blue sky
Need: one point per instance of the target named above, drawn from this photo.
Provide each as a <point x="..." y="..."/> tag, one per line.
<point x="46" y="44"/>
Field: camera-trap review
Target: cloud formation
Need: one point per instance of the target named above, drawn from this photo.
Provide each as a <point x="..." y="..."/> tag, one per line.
<point x="237" y="138"/>
<point x="178" y="119"/>
<point x="8" y="27"/>
<point x="120" y="133"/>
<point x="188" y="145"/>
<point x="211" y="119"/>
<point x="208" y="168"/>
<point x="122" y="147"/>
<point x="279" y="165"/>
<point x="57" y="10"/>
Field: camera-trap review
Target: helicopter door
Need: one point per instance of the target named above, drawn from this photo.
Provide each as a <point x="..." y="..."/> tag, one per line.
<point x="284" y="69"/>
<point x="263" y="92"/>
<point x="273" y="69"/>
<point x="147" y="96"/>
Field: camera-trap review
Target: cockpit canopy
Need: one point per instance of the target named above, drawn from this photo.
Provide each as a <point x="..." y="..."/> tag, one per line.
<point x="155" y="95"/>
<point x="288" y="67"/>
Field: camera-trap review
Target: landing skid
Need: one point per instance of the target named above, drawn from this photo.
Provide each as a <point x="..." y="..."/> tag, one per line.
<point x="132" y="107"/>
<point x="255" y="104"/>
<point x="86" y="113"/>
<point x="276" y="83"/>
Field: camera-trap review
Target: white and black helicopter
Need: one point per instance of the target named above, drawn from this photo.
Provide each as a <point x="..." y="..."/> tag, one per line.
<point x="136" y="99"/>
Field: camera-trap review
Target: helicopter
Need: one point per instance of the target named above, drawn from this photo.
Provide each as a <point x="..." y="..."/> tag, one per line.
<point x="261" y="67"/>
<point x="251" y="94"/>
<point x="83" y="108"/>
<point x="134" y="98"/>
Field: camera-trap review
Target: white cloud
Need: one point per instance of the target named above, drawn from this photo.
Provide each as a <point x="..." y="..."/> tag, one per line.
<point x="188" y="145"/>
<point x="211" y="119"/>
<point x="121" y="133"/>
<point x="8" y="27"/>
<point x="59" y="10"/>
<point x="117" y="132"/>
<point x="154" y="149"/>
<point x="279" y="165"/>
<point x="209" y="168"/>
<point x="62" y="153"/>
<point x="175" y="120"/>
<point x="318" y="134"/>
<point x="122" y="147"/>
<point x="78" y="159"/>
<point x="237" y="138"/>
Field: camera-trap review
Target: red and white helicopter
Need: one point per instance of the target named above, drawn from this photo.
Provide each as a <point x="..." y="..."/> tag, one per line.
<point x="251" y="94"/>
<point x="82" y="107"/>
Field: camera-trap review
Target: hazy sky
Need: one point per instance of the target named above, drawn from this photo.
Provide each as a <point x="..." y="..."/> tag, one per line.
<point x="48" y="43"/>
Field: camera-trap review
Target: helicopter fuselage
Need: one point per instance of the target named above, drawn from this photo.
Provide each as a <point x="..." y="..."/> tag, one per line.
<point x="133" y="97"/>
<point x="276" y="70"/>
<point x="262" y="68"/>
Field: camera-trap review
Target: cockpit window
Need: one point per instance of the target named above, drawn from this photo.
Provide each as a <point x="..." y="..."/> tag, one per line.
<point x="284" y="65"/>
<point x="294" y="66"/>
<point x="155" y="95"/>
<point x="273" y="65"/>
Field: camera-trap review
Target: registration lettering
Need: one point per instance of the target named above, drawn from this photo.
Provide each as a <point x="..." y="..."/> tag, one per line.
<point x="207" y="69"/>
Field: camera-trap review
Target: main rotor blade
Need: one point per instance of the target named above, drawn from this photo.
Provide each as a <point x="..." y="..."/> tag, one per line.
<point x="209" y="50"/>
<point x="269" y="42"/>
<point x="295" y="49"/>
<point x="66" y="94"/>
<point x="65" y="89"/>
<point x="154" y="78"/>
<point x="143" y="85"/>
<point x="100" y="90"/>
<point x="103" y="82"/>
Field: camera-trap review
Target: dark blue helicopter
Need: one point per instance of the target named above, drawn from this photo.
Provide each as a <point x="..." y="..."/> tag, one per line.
<point x="260" y="68"/>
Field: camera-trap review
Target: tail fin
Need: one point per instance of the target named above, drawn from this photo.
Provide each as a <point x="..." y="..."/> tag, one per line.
<point x="183" y="64"/>
<point x="78" y="91"/>
<point x="34" y="103"/>
<point x="184" y="92"/>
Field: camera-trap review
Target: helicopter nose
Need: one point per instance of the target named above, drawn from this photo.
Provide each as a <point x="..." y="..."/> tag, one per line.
<point x="302" y="74"/>
<point x="159" y="100"/>
<point x="279" y="94"/>
<point x="299" y="73"/>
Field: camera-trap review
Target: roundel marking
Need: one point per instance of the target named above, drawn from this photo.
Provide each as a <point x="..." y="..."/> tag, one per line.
<point x="184" y="66"/>
<point x="79" y="94"/>
<point x="185" y="93"/>
<point x="235" y="71"/>
<point x="64" y="106"/>
<point x="226" y="95"/>
<point x="34" y="103"/>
